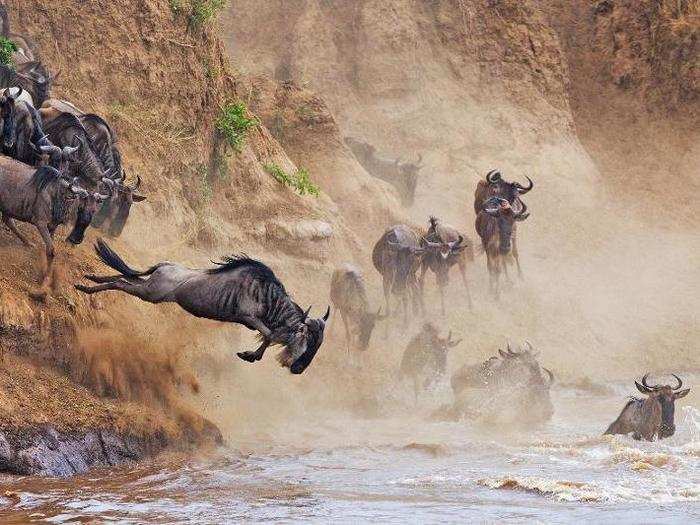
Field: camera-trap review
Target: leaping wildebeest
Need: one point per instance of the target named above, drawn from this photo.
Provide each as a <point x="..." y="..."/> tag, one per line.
<point x="445" y="248"/>
<point x="402" y="175"/>
<point x="650" y="417"/>
<point x="240" y="290"/>
<point x="425" y="357"/>
<point x="45" y="198"/>
<point x="495" y="224"/>
<point x="397" y="256"/>
<point x="349" y="297"/>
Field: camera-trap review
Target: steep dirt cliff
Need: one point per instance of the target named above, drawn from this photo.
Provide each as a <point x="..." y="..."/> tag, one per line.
<point x="162" y="85"/>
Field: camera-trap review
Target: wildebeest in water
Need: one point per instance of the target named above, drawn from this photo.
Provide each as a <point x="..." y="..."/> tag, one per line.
<point x="425" y="357"/>
<point x="512" y="387"/>
<point x="650" y="417"/>
<point x="240" y="290"/>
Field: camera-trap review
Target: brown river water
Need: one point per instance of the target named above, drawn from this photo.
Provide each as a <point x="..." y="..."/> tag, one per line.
<point x="399" y="467"/>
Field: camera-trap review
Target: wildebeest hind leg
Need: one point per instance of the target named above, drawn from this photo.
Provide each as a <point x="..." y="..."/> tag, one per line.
<point x="103" y="278"/>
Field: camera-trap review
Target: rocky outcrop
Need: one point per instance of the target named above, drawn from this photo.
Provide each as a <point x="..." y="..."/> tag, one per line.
<point x="46" y="451"/>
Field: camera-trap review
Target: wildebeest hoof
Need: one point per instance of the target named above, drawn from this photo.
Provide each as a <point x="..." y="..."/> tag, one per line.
<point x="247" y="356"/>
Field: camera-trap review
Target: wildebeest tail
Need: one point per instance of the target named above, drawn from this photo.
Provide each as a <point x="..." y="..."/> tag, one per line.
<point x="111" y="259"/>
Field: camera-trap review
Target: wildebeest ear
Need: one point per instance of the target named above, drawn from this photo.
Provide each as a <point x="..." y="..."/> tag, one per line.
<point x="138" y="198"/>
<point x="681" y="393"/>
<point x="642" y="388"/>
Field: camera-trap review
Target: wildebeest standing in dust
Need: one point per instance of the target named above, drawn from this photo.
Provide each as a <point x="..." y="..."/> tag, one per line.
<point x="650" y="417"/>
<point x="349" y="297"/>
<point x="495" y="225"/>
<point x="397" y="256"/>
<point x="241" y="290"/>
<point x="445" y="248"/>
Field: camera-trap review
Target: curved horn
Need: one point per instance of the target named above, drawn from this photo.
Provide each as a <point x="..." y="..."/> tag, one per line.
<point x="522" y="214"/>
<point x="327" y="314"/>
<point x="137" y="184"/>
<point x="503" y="354"/>
<point x="680" y="383"/>
<point x="492" y="176"/>
<point x="457" y="243"/>
<point x="48" y="149"/>
<point x="420" y="159"/>
<point x="306" y="314"/>
<point x="522" y="190"/>
<point x="550" y="374"/>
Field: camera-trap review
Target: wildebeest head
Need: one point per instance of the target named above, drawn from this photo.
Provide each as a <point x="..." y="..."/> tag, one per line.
<point x="87" y="204"/>
<point x="367" y="322"/>
<point x="118" y="207"/>
<point x="407" y="260"/>
<point x="9" y="121"/>
<point x="665" y="396"/>
<point x="59" y="158"/>
<point x="37" y="79"/>
<point x="360" y="149"/>
<point x="524" y="367"/>
<point x="511" y="191"/>
<point x="501" y="210"/>
<point x="409" y="172"/>
<point x="307" y="341"/>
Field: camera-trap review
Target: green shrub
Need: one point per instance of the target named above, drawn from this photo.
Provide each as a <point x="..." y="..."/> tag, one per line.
<point x="7" y="47"/>
<point x="299" y="181"/>
<point x="233" y="123"/>
<point x="204" y="11"/>
<point x="176" y="6"/>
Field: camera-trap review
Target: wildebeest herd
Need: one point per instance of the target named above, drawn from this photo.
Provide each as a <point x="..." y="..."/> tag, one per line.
<point x="61" y="165"/>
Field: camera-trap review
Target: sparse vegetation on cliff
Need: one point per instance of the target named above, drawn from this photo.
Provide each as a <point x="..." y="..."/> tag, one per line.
<point x="233" y="123"/>
<point x="300" y="181"/>
<point x="200" y="11"/>
<point x="7" y="47"/>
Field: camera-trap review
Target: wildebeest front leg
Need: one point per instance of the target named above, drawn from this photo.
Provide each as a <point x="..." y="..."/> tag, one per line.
<point x="347" y="331"/>
<point x="463" y="271"/>
<point x="516" y="257"/>
<point x="255" y="324"/>
<point x="7" y="221"/>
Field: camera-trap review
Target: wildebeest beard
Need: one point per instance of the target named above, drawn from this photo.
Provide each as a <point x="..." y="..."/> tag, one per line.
<point x="668" y="427"/>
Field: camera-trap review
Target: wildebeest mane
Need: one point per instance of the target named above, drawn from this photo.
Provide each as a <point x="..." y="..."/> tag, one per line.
<point x="232" y="262"/>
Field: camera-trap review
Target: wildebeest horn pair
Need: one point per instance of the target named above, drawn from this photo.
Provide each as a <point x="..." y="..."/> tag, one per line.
<point x="657" y="387"/>
<point x="324" y="318"/>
